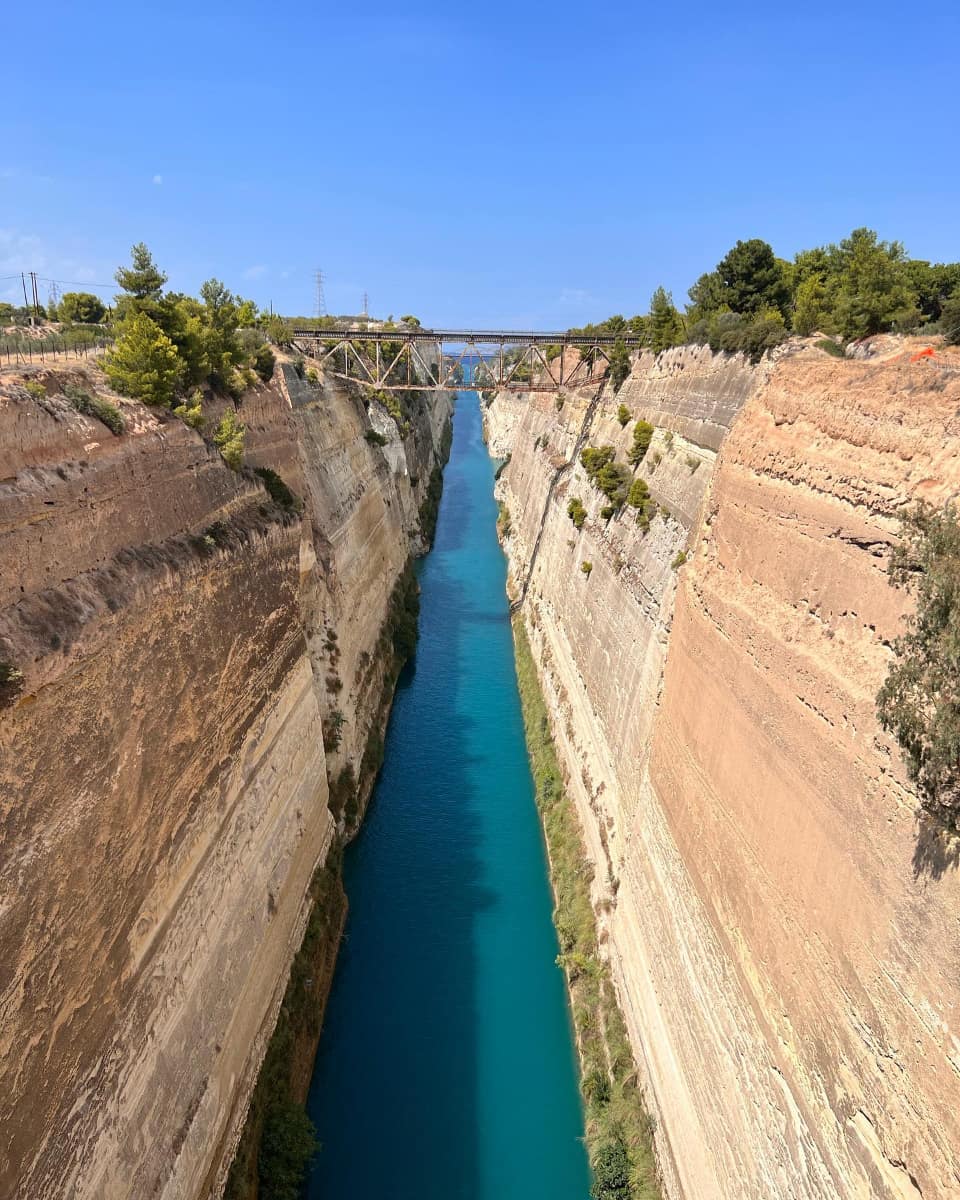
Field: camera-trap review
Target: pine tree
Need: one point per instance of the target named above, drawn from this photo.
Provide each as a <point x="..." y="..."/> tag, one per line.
<point x="664" y="327"/>
<point x="619" y="368"/>
<point x="143" y="280"/>
<point x="875" y="291"/>
<point x="144" y="362"/>
<point x="752" y="278"/>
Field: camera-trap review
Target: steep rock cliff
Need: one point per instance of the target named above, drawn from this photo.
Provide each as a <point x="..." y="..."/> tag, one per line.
<point x="784" y="946"/>
<point x="184" y="641"/>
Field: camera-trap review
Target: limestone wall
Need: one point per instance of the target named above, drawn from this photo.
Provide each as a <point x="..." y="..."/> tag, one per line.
<point x="785" y="948"/>
<point x="163" y="780"/>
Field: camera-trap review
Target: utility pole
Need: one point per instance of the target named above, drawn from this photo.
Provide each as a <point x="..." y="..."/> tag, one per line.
<point x="36" y="294"/>
<point x="321" y="298"/>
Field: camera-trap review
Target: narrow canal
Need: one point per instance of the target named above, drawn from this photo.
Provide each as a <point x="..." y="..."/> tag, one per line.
<point x="446" y="1067"/>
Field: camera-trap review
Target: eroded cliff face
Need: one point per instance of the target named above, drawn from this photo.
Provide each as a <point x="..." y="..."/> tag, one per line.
<point x="785" y="941"/>
<point x="186" y="644"/>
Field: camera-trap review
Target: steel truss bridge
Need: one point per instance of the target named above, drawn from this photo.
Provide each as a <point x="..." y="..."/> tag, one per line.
<point x="435" y="359"/>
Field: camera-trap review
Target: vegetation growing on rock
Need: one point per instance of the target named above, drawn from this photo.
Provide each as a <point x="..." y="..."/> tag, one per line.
<point x="229" y="439"/>
<point x="93" y="406"/>
<point x="642" y="437"/>
<point x="618" y="1129"/>
<point x="919" y="701"/>
<point x="576" y="512"/>
<point x="605" y="473"/>
<point x="619" y="368"/>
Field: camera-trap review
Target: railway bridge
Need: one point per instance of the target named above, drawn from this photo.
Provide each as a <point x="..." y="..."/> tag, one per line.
<point x="464" y="359"/>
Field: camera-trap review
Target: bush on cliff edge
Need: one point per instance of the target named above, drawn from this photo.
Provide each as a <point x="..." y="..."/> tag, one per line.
<point x="920" y="698"/>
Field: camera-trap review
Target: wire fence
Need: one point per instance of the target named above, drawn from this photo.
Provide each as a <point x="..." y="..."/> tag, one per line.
<point x="18" y="350"/>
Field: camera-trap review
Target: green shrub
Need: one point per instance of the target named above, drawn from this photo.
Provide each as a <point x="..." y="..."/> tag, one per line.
<point x="829" y="346"/>
<point x="278" y="490"/>
<point x="229" y="438"/>
<point x="604" y="473"/>
<point x="918" y="701"/>
<point x="144" y="362"/>
<point x="611" y="1172"/>
<point x="576" y="512"/>
<point x="623" y="415"/>
<point x="313" y="377"/>
<point x="191" y="411"/>
<point x="375" y="438"/>
<point x="11" y="682"/>
<point x="642" y="436"/>
<point x="950" y="320"/>
<point x="504" y="522"/>
<point x="639" y="493"/>
<point x="679" y="560"/>
<point x="289" y="1142"/>
<point x="81" y="307"/>
<point x="333" y="724"/>
<point x="35" y="388"/>
<point x="92" y="406"/>
<point x="596" y="1087"/>
<point x="430" y="505"/>
<point x="608" y="511"/>
<point x="586" y="568"/>
<point x="693" y="462"/>
<point x="619" y="367"/>
<point x="264" y="360"/>
<point x="732" y="332"/>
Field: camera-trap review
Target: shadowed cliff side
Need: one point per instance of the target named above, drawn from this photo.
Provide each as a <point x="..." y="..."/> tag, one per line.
<point x="185" y="644"/>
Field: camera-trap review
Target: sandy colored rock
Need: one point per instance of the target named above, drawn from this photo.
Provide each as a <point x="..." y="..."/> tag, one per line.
<point x="784" y="943"/>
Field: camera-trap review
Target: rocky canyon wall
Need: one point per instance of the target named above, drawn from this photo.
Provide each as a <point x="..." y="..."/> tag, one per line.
<point x="784" y="938"/>
<point x="187" y="644"/>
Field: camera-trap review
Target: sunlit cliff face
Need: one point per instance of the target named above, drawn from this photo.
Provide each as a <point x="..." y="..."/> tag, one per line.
<point x="781" y="939"/>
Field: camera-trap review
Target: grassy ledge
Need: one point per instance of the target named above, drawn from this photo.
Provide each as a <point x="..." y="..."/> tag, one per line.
<point x="618" y="1129"/>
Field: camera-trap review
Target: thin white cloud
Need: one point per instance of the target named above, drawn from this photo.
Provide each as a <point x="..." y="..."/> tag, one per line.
<point x="158" y="179"/>
<point x="255" y="272"/>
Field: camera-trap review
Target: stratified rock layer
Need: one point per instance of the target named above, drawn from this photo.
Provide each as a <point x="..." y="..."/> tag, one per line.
<point x="163" y="780"/>
<point x="784" y="940"/>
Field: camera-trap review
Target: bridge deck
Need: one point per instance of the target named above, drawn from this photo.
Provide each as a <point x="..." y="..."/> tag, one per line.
<point x="397" y="359"/>
<point x="479" y="337"/>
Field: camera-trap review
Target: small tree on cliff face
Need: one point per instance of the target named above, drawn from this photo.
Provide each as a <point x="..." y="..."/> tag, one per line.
<point x="920" y="698"/>
<point x="619" y="368"/>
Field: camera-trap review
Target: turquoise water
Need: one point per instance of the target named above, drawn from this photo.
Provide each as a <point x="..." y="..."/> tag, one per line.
<point x="446" y="1067"/>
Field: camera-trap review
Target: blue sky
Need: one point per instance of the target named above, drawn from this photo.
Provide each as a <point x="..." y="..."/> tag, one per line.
<point x="519" y="164"/>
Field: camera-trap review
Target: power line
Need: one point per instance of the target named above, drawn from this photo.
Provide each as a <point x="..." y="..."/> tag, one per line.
<point x="321" y="305"/>
<point x="81" y="283"/>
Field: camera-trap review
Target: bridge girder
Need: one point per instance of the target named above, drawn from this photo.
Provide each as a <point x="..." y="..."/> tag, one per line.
<point x="397" y="360"/>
